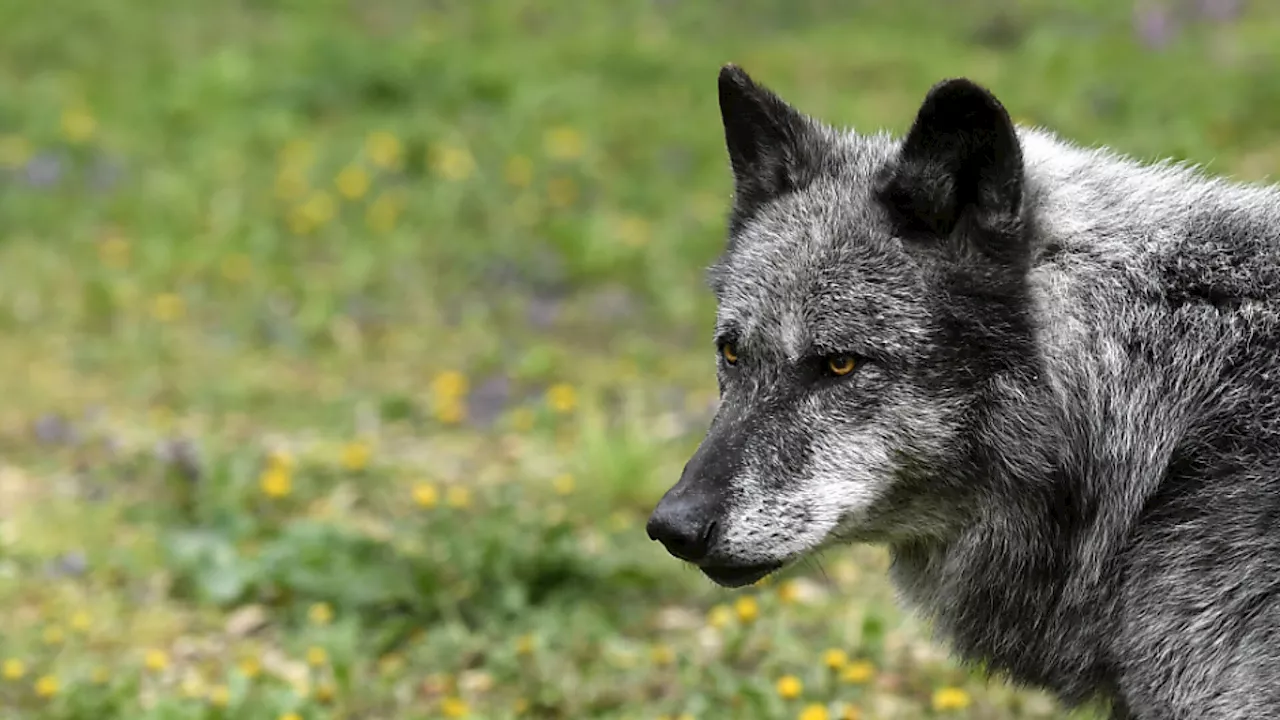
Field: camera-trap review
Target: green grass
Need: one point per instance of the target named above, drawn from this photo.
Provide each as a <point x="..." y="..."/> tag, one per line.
<point x="279" y="438"/>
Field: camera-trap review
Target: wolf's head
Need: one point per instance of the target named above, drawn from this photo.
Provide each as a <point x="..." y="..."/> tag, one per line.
<point x="871" y="288"/>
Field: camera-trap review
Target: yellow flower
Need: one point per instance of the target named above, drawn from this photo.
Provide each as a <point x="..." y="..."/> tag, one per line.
<point x="156" y="660"/>
<point x="858" y="672"/>
<point x="449" y="384"/>
<point x="788" y="592"/>
<point x="562" y="397"/>
<point x="167" y="307"/>
<point x="562" y="192"/>
<point x="13" y="669"/>
<point x="458" y="496"/>
<point x="296" y="153"/>
<point x="316" y="656"/>
<point x="312" y="213"/>
<point x="452" y="163"/>
<point x="426" y="495"/>
<point x="15" y="151"/>
<point x="450" y="411"/>
<point x="53" y="635"/>
<point x="850" y="712"/>
<point x="352" y="182"/>
<point x="220" y="696"/>
<point x="563" y="484"/>
<point x="80" y="621"/>
<point x="747" y="608"/>
<point x="320" y="614"/>
<point x="383" y="213"/>
<point x="356" y="454"/>
<point x="78" y="124"/>
<point x="47" y="686"/>
<point x="525" y="644"/>
<point x="946" y="699"/>
<point x="634" y="231"/>
<point x="276" y="482"/>
<point x="384" y="149"/>
<point x="325" y="692"/>
<point x="454" y="707"/>
<point x="291" y="183"/>
<point x="835" y="658"/>
<point x="519" y="171"/>
<point x="237" y="267"/>
<point x="815" y="711"/>
<point x="719" y="616"/>
<point x="250" y="667"/>
<point x="563" y="143"/>
<point x="113" y="251"/>
<point x="789" y="687"/>
<point x="291" y="716"/>
<point x="662" y="655"/>
<point x="193" y="687"/>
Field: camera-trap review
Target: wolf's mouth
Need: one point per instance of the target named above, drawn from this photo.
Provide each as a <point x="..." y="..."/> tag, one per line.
<point x="736" y="576"/>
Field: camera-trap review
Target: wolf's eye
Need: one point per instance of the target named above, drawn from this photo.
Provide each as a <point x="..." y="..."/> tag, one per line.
<point x="840" y="364"/>
<point x="730" y="352"/>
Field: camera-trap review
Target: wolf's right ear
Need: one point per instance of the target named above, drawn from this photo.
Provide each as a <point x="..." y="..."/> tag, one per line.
<point x="766" y="139"/>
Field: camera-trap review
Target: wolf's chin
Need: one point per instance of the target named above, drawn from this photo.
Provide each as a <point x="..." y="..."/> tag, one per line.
<point x="736" y="576"/>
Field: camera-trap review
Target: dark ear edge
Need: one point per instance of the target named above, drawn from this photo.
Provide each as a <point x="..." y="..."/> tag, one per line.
<point x="765" y="138"/>
<point x="960" y="162"/>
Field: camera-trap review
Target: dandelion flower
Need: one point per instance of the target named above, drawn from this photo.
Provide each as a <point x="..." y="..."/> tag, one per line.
<point x="951" y="698"/>
<point x="450" y="411"/>
<point x="352" y="182"/>
<point x="452" y="163"/>
<point x="449" y="384"/>
<point x="719" y="616"/>
<point x="563" y="143"/>
<point x="291" y="716"/>
<point x="518" y="172"/>
<point x="458" y="497"/>
<point x="563" y="484"/>
<point x="426" y="495"/>
<point x="250" y="667"/>
<point x="662" y="655"/>
<point x="156" y="660"/>
<point x="13" y="669"/>
<point x="858" y="672"/>
<point x="747" y="609"/>
<point x="562" y="397"/>
<point x="835" y="658"/>
<point x="167" y="307"/>
<point x="219" y="696"/>
<point x="356" y="454"/>
<point x="815" y="711"/>
<point x="276" y="482"/>
<point x="316" y="656"/>
<point x="454" y="707"/>
<point x="850" y="712"/>
<point x="789" y="687"/>
<point x="562" y="192"/>
<point x="80" y="621"/>
<point x="384" y="150"/>
<point x="788" y="592"/>
<point x="78" y="124"/>
<point x="53" y="635"/>
<point x="320" y="614"/>
<point x="47" y="686"/>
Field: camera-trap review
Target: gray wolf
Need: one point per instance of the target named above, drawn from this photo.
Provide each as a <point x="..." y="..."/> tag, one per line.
<point x="1044" y="376"/>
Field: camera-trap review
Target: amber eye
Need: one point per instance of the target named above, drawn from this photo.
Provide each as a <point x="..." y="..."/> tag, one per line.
<point x="840" y="364"/>
<point x="729" y="352"/>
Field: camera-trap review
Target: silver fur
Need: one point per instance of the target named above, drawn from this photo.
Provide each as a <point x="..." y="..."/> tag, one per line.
<point x="1079" y="479"/>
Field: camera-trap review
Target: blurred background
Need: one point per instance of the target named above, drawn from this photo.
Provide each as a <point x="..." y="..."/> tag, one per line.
<point x="346" y="345"/>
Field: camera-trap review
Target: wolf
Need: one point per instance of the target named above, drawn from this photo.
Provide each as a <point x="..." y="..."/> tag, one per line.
<point x="1043" y="375"/>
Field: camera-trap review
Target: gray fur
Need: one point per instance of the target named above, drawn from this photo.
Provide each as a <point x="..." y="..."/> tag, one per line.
<point x="1071" y="446"/>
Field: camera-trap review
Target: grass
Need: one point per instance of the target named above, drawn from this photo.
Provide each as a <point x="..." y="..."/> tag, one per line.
<point x="347" y="345"/>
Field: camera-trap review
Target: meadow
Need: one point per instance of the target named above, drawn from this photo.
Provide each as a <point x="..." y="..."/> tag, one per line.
<point x="346" y="346"/>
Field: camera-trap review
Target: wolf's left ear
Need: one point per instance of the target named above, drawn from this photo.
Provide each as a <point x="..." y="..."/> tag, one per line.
<point x="960" y="160"/>
<point x="767" y="139"/>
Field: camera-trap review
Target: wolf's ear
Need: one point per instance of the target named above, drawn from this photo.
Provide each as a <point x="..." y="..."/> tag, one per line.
<point x="960" y="160"/>
<point x="766" y="139"/>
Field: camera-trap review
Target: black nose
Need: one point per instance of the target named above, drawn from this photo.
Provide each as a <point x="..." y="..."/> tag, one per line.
<point x="684" y="526"/>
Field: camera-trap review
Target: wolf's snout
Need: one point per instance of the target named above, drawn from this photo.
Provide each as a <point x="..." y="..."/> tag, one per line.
<point x="685" y="525"/>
